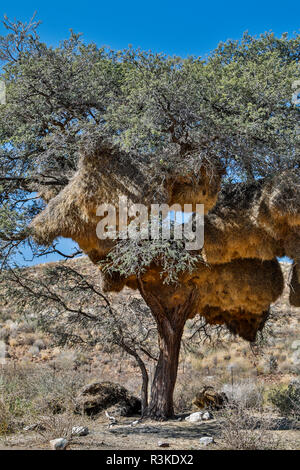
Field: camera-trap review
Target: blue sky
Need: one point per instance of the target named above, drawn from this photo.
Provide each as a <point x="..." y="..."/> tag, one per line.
<point x="174" y="27"/>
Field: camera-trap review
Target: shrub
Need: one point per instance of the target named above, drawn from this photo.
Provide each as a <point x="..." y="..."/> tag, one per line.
<point x="273" y="364"/>
<point x="241" y="429"/>
<point x="57" y="426"/>
<point x="245" y="393"/>
<point x="4" y="334"/>
<point x="186" y="388"/>
<point x="287" y="400"/>
<point x="5" y="419"/>
<point x="29" y="339"/>
<point x="28" y="392"/>
<point x="39" y="343"/>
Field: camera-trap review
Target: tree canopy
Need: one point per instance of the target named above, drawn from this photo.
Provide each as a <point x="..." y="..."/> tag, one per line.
<point x="160" y="114"/>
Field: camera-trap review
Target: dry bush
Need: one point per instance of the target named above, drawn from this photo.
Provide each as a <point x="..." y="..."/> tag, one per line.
<point x="187" y="387"/>
<point x="30" y="326"/>
<point x="243" y="429"/>
<point x="32" y="391"/>
<point x="244" y="424"/>
<point x="57" y="426"/>
<point x="14" y="403"/>
<point x="246" y="393"/>
<point x="184" y="395"/>
<point x="4" y="334"/>
<point x="6" y="425"/>
<point x="285" y="367"/>
<point x="287" y="400"/>
<point x="29" y="339"/>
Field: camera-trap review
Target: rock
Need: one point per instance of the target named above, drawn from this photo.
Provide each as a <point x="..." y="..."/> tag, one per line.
<point x="295" y="344"/>
<point x="59" y="444"/>
<point x="163" y="444"/>
<point x="194" y="417"/>
<point x="80" y="431"/>
<point x="34" y="427"/>
<point x="134" y="423"/>
<point x="199" y="416"/>
<point x="100" y="396"/>
<point x="207" y="416"/>
<point x="206" y="440"/>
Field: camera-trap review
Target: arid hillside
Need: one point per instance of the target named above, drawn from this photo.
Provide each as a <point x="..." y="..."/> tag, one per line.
<point x="36" y="372"/>
<point x="18" y="328"/>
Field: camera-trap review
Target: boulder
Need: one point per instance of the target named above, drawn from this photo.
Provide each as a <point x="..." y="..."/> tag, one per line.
<point x="194" y="417"/>
<point x="59" y="444"/>
<point x="99" y="396"/>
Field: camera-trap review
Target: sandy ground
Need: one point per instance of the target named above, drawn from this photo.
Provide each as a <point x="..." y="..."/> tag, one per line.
<point x="180" y="435"/>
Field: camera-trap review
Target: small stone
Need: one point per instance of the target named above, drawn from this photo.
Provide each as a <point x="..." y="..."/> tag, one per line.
<point x="206" y="440"/>
<point x="80" y="431"/>
<point x="59" y="444"/>
<point x="194" y="417"/>
<point x="34" y="427"/>
<point x="30" y="427"/>
<point x="163" y="444"/>
<point x="134" y="423"/>
<point x="207" y="416"/>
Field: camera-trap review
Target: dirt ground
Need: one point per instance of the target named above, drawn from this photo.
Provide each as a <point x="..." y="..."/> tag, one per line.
<point x="179" y="434"/>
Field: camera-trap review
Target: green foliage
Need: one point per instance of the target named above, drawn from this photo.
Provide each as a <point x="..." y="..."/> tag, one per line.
<point x="134" y="256"/>
<point x="167" y="113"/>
<point x="287" y="400"/>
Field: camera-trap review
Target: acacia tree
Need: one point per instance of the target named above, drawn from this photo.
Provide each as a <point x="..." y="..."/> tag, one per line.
<point x="83" y="125"/>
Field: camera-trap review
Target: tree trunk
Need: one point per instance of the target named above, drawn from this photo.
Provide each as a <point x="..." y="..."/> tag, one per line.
<point x="170" y="324"/>
<point x="161" y="404"/>
<point x="144" y="391"/>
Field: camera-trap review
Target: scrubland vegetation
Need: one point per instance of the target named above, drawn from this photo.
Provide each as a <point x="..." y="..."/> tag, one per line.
<point x="40" y="382"/>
